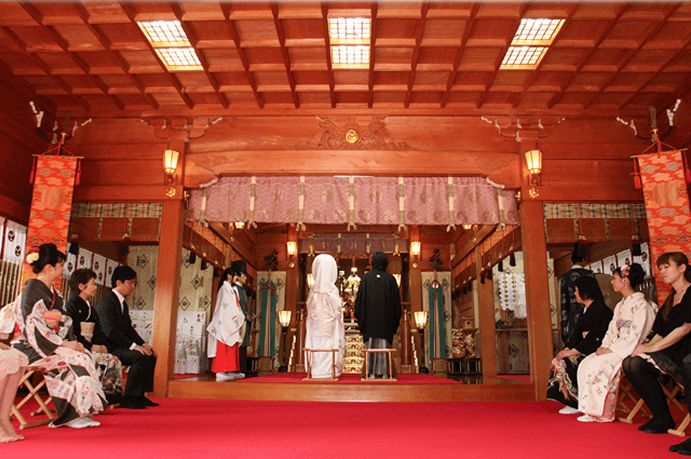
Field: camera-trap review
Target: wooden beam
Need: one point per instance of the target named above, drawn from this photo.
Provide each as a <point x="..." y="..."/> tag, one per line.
<point x="465" y="245"/>
<point x="459" y="56"/>
<point x="329" y="67"/>
<point x="284" y="52"/>
<point x="419" y="32"/>
<point x="537" y="294"/>
<point x="166" y="294"/>
<point x="235" y="36"/>
<point x="118" y="193"/>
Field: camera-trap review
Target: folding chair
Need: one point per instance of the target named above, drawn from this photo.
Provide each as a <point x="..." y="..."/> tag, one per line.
<point x="33" y="394"/>
<point x="627" y="397"/>
<point x="680" y="430"/>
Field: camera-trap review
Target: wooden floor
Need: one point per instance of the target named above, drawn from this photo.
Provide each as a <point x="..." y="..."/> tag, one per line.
<point x="491" y="390"/>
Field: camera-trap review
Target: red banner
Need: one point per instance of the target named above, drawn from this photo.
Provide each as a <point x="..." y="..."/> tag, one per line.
<point x="51" y="204"/>
<point x="666" y="205"/>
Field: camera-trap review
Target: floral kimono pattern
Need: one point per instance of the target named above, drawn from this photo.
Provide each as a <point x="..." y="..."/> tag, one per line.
<point x="598" y="375"/>
<point x="71" y="378"/>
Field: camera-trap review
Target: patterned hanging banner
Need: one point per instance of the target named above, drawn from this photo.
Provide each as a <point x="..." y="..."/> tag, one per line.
<point x="51" y="203"/>
<point x="666" y="205"/>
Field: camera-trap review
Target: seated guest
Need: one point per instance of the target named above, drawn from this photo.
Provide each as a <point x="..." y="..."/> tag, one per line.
<point x="12" y="365"/>
<point x="658" y="357"/>
<point x="123" y="341"/>
<point x="599" y="373"/>
<point x="87" y="330"/>
<point x="584" y="340"/>
<point x="69" y="372"/>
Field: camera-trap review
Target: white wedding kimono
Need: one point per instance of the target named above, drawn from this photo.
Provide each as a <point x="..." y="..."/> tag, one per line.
<point x="227" y="322"/>
<point x="324" y="319"/>
<point x="598" y="375"/>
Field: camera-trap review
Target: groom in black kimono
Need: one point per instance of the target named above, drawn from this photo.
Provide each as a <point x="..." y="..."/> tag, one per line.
<point x="124" y="342"/>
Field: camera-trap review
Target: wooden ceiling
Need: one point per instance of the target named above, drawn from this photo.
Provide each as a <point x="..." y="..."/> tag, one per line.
<point x="90" y="58"/>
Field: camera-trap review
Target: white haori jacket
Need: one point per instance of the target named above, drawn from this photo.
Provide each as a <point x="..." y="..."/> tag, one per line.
<point x="228" y="321"/>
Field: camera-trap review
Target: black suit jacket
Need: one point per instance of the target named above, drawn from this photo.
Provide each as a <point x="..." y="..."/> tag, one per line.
<point x="80" y="311"/>
<point x="116" y="323"/>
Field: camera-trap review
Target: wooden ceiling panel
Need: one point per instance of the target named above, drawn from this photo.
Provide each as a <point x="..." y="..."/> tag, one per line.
<point x="304" y="32"/>
<point x="311" y="81"/>
<point x="211" y="34"/>
<point x="254" y="33"/>
<point x="581" y="34"/>
<point x="588" y="82"/>
<point x="564" y="59"/>
<point x="14" y="15"/>
<point x="480" y="59"/>
<point x="396" y="32"/>
<point x="105" y="13"/>
<point x="271" y="81"/>
<point x="394" y="59"/>
<point x="102" y="63"/>
<point x="123" y="36"/>
<point x="674" y="35"/>
<point x="141" y="61"/>
<point x="201" y="11"/>
<point x="37" y="39"/>
<point x="430" y="81"/>
<point x="265" y="59"/>
<point x="628" y="35"/>
<point x="492" y="32"/>
<point x="443" y="32"/>
<point x="308" y="58"/>
<point x="425" y="54"/>
<point x="223" y="60"/>
<point x="436" y="59"/>
<point x="391" y="81"/>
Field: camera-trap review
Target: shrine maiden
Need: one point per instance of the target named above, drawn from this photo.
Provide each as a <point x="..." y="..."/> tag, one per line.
<point x="226" y="331"/>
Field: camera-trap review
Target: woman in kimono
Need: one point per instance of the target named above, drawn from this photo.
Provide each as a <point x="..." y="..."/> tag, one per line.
<point x="663" y="355"/>
<point x="69" y="372"/>
<point x="599" y="373"/>
<point x="12" y="365"/>
<point x="226" y="331"/>
<point x="324" y="320"/>
<point x="584" y="340"/>
<point x="86" y="328"/>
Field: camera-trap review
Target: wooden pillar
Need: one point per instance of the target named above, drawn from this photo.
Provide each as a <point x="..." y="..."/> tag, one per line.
<point x="292" y="286"/>
<point x="488" y="334"/>
<point x="166" y="296"/>
<point x="536" y="294"/>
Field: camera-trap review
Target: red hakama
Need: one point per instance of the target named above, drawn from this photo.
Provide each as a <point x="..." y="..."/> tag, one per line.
<point x="227" y="358"/>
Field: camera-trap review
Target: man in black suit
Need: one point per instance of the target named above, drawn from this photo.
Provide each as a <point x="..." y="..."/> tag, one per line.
<point x="123" y="340"/>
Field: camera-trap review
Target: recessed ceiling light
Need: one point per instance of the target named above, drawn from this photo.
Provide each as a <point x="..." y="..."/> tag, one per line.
<point x="164" y="34"/>
<point x="350" y="39"/>
<point x="530" y="43"/>
<point x="537" y="32"/>
<point x="179" y="59"/>
<point x="350" y="56"/>
<point x="523" y="57"/>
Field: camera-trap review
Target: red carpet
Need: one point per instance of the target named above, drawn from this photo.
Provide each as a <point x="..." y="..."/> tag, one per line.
<point x="404" y="378"/>
<point x="218" y="428"/>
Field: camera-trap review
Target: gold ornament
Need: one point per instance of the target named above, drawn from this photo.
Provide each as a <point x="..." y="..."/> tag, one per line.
<point x="351" y="136"/>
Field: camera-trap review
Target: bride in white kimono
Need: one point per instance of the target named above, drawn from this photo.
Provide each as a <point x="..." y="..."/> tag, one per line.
<point x="324" y="319"/>
<point x="599" y="373"/>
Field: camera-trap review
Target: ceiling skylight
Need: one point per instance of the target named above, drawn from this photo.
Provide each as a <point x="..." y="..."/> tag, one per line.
<point x="170" y="41"/>
<point x="531" y="42"/>
<point x="350" y="39"/>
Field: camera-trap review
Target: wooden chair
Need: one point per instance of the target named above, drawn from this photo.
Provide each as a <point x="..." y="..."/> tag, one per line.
<point x="629" y="402"/>
<point x="309" y="353"/>
<point x="33" y="394"/>
<point x="389" y="352"/>
<point x="680" y="429"/>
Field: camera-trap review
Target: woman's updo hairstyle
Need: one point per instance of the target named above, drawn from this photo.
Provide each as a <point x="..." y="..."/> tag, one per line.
<point x="43" y="255"/>
<point x="633" y="272"/>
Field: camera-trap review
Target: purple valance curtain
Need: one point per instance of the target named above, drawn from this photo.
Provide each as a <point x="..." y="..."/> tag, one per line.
<point x="446" y="201"/>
